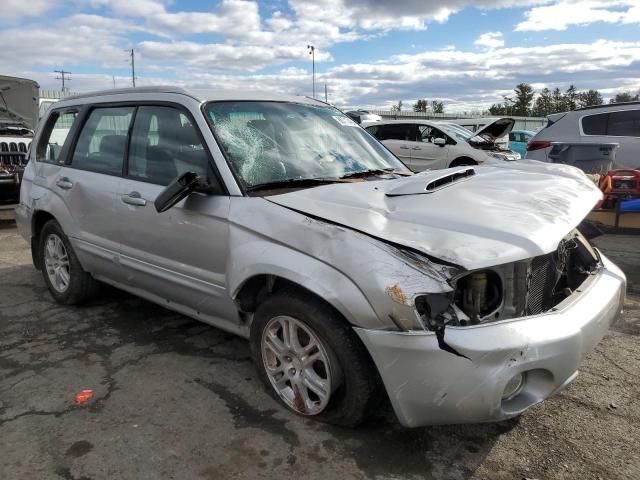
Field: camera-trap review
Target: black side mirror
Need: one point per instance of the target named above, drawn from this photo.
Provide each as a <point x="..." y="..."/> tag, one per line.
<point x="177" y="190"/>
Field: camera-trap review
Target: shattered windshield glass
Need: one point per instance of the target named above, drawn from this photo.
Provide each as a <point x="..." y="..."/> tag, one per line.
<point x="272" y="142"/>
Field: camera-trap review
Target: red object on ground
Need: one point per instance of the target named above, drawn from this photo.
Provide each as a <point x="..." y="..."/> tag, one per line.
<point x="83" y="396"/>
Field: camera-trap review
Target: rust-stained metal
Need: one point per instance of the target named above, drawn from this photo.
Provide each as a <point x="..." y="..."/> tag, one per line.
<point x="396" y="293"/>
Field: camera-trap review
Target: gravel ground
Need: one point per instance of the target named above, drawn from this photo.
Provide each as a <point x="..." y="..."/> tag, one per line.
<point x="173" y="398"/>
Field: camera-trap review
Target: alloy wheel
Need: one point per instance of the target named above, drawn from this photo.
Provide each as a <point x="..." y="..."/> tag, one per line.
<point x="296" y="364"/>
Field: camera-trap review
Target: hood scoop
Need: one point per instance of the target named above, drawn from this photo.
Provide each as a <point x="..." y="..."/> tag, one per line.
<point x="434" y="183"/>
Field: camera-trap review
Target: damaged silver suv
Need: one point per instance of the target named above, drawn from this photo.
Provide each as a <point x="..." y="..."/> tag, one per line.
<point x="467" y="294"/>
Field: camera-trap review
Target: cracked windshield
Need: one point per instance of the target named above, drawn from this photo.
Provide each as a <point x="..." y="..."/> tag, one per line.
<point x="271" y="143"/>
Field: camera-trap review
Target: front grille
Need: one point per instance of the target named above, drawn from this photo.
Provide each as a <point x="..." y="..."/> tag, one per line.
<point x="13" y="155"/>
<point x="541" y="280"/>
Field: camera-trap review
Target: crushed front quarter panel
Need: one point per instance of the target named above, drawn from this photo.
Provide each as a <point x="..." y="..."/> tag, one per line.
<point x="429" y="386"/>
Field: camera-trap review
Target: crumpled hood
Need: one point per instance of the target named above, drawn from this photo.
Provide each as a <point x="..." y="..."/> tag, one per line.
<point x="19" y="101"/>
<point x="503" y="213"/>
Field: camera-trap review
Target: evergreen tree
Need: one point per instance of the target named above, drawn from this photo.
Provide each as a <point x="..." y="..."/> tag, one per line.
<point x="437" y="107"/>
<point x="590" y="98"/>
<point x="420" y="106"/>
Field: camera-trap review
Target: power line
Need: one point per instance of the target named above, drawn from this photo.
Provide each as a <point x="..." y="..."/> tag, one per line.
<point x="64" y="76"/>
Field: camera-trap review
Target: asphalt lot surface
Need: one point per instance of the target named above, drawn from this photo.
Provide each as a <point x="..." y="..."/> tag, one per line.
<point x="173" y="398"/>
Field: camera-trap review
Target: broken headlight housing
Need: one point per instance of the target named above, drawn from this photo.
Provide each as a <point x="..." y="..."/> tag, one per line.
<point x="476" y="299"/>
<point x="518" y="289"/>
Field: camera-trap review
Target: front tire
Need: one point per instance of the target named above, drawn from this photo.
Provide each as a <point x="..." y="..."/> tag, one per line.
<point x="66" y="280"/>
<point x="311" y="360"/>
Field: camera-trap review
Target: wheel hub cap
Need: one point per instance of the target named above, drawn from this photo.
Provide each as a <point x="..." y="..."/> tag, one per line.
<point x="56" y="262"/>
<point x="297" y="365"/>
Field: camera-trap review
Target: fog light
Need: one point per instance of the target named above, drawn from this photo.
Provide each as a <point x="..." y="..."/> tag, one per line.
<point x="513" y="387"/>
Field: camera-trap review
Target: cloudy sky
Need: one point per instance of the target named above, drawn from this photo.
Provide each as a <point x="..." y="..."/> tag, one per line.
<point x="370" y="53"/>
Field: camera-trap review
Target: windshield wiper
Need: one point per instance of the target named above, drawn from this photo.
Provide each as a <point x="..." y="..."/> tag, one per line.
<point x="291" y="183"/>
<point x="366" y="173"/>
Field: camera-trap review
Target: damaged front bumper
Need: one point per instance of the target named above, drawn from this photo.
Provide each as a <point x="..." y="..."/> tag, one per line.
<point x="429" y="386"/>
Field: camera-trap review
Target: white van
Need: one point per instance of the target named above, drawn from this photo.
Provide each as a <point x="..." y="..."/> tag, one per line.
<point x="427" y="145"/>
<point x="614" y="123"/>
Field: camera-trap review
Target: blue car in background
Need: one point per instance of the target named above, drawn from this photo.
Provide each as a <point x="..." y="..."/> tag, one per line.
<point x="518" y="140"/>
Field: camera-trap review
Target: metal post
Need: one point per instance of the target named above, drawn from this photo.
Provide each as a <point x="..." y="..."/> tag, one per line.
<point x="325" y="94"/>
<point x="133" y="68"/>
<point x="312" y="52"/>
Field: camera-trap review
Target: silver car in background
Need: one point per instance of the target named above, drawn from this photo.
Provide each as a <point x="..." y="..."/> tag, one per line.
<point x="466" y="295"/>
<point x="602" y="124"/>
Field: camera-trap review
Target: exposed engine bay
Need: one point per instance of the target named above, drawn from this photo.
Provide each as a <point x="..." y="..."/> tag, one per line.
<point x="513" y="290"/>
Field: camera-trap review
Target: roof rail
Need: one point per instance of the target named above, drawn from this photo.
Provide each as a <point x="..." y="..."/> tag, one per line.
<point x="605" y="105"/>
<point x="118" y="91"/>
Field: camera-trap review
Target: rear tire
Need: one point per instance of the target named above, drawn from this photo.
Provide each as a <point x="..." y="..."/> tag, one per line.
<point x="343" y="369"/>
<point x="66" y="280"/>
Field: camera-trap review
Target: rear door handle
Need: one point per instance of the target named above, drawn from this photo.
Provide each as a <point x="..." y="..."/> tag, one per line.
<point x="134" y="198"/>
<point x="416" y="148"/>
<point x="64" y="183"/>
<point x="403" y="147"/>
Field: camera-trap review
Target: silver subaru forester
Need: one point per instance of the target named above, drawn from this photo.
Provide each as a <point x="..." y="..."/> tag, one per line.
<point x="467" y="294"/>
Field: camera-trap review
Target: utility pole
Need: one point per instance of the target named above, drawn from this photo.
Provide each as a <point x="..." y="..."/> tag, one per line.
<point x="113" y="77"/>
<point x="325" y="94"/>
<point x="133" y="68"/>
<point x="64" y="76"/>
<point x="312" y="52"/>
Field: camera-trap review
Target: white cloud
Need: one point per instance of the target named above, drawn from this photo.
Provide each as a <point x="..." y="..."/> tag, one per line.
<point x="237" y="40"/>
<point x="566" y="13"/>
<point x="221" y="57"/>
<point x="24" y="8"/>
<point x="490" y="40"/>
<point x="131" y="8"/>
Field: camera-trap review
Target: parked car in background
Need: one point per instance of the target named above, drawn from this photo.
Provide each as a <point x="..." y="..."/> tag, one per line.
<point x="281" y="220"/>
<point x="518" y="140"/>
<point x="425" y="144"/>
<point x="613" y="123"/>
<point x="360" y="116"/>
<point x="18" y="118"/>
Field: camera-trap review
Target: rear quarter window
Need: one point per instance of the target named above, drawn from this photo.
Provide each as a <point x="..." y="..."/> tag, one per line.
<point x="624" y="124"/>
<point x="54" y="136"/>
<point x="595" y="124"/>
<point x="616" y="124"/>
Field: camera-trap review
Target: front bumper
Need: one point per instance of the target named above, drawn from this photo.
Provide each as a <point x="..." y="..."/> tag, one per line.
<point x="428" y="386"/>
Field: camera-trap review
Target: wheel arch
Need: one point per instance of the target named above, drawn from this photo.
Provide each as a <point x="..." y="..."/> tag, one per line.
<point x="38" y="221"/>
<point x="250" y="287"/>
<point x="463" y="160"/>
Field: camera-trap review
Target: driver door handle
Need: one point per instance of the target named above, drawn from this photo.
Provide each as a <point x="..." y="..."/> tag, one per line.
<point x="134" y="198"/>
<point x="404" y="147"/>
<point x="64" y="183"/>
<point x="416" y="148"/>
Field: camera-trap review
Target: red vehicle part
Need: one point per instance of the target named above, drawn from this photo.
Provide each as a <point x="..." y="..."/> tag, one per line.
<point x="620" y="183"/>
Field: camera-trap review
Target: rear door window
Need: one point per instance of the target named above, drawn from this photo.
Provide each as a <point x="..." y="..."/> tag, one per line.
<point x="102" y="143"/>
<point x="397" y="131"/>
<point x="624" y="124"/>
<point x="54" y="136"/>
